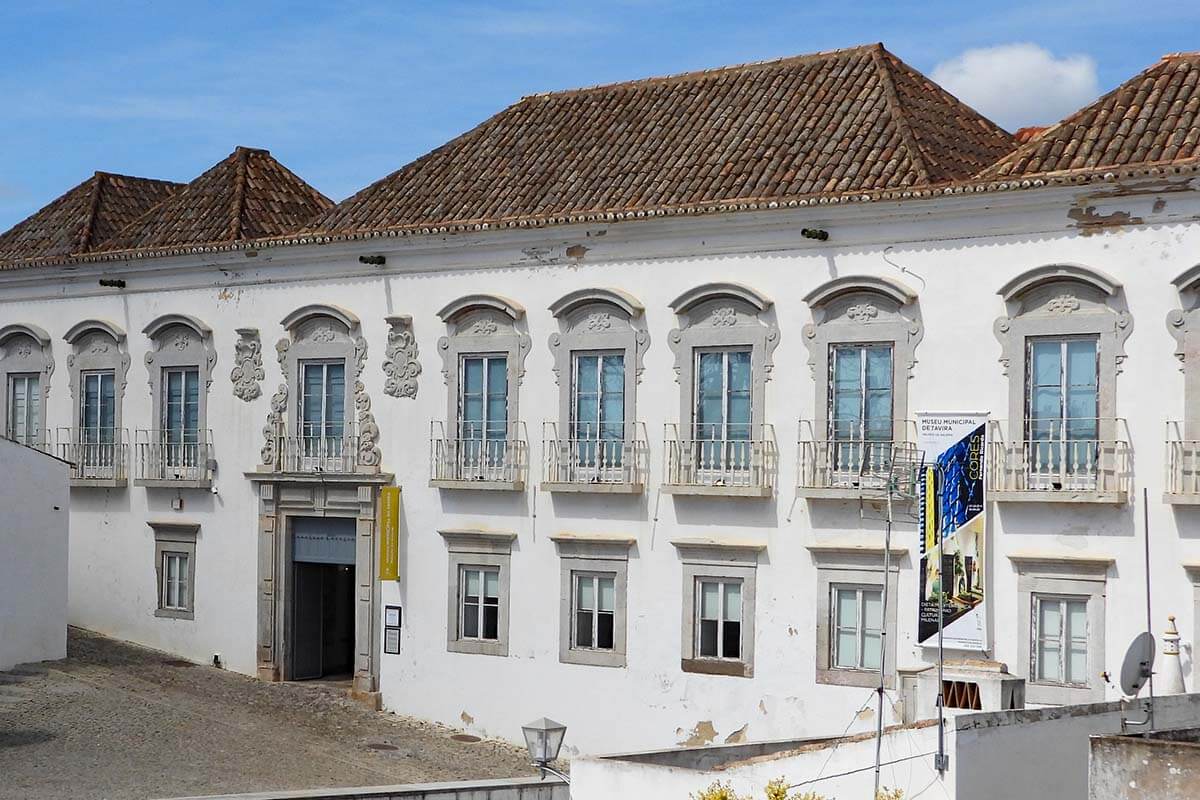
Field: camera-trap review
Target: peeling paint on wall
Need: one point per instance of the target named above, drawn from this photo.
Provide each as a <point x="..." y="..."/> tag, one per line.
<point x="1088" y="221"/>
<point x="738" y="736"/>
<point x="702" y="734"/>
<point x="467" y="718"/>
<point x="577" y="251"/>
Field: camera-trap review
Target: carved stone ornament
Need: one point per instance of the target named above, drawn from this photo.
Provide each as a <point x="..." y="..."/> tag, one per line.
<point x="484" y="327"/>
<point x="599" y="321"/>
<point x="400" y="363"/>
<point x="368" y="432"/>
<point x="862" y="312"/>
<point x="723" y="317"/>
<point x="1063" y="304"/>
<point x="279" y="405"/>
<point x="322" y="333"/>
<point x="247" y="365"/>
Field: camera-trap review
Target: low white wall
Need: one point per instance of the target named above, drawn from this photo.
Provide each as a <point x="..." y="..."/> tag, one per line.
<point x="34" y="502"/>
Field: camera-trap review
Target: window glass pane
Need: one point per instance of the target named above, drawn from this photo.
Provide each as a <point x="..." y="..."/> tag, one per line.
<point x="710" y="403"/>
<point x="335" y="398"/>
<point x="1046" y="363"/>
<point x="1049" y="668"/>
<point x="497" y="377"/>
<point x="879" y="368"/>
<point x="613" y="377"/>
<point x="872" y="609"/>
<point x="313" y="396"/>
<point x="731" y="643"/>
<point x="1081" y="363"/>
<point x="108" y="407"/>
<point x="739" y="371"/>
<point x="846" y="649"/>
<point x="1050" y="623"/>
<point x="587" y="416"/>
<point x="608" y="595"/>
<point x="470" y="621"/>
<point x="472" y="590"/>
<point x="604" y="631"/>
<point x="847" y="608"/>
<point x="708" y="638"/>
<point x="491" y="622"/>
<point x="710" y="600"/>
<point x="585" y="593"/>
<point x="472" y="377"/>
<point x="847" y="369"/>
<point x="587" y="376"/>
<point x="491" y="588"/>
<point x="733" y="602"/>
<point x="872" y="644"/>
<point x="583" y="629"/>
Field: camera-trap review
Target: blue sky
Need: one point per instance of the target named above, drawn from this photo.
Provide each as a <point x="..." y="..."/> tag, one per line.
<point x="344" y="93"/>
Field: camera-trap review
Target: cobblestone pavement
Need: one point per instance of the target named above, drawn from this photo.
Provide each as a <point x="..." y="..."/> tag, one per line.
<point x="115" y="721"/>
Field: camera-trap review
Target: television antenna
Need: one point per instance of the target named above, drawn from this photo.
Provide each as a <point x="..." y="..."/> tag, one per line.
<point x="904" y="475"/>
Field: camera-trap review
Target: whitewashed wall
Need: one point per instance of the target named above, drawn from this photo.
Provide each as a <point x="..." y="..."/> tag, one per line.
<point x="957" y="252"/>
<point x="33" y="556"/>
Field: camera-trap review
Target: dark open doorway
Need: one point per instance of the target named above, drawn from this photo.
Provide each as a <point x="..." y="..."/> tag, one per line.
<point x="322" y="598"/>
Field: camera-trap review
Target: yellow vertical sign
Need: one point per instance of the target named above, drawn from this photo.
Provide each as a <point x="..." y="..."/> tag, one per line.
<point x="389" y="533"/>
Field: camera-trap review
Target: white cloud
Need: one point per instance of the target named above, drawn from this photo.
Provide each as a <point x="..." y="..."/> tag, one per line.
<point x="1020" y="84"/>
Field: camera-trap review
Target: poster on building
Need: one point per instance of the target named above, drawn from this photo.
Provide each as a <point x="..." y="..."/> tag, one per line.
<point x="952" y="522"/>
<point x="389" y="533"/>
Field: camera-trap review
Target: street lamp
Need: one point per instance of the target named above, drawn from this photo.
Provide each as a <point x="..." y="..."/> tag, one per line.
<point x="543" y="740"/>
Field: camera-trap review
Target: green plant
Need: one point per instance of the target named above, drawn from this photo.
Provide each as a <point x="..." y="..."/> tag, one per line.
<point x="718" y="791"/>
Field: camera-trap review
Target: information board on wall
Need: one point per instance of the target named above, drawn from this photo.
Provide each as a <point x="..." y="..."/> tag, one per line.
<point x="953" y="523"/>
<point x="389" y="533"/>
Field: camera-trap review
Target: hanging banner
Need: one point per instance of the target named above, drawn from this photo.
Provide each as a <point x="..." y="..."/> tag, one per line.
<point x="389" y="533"/>
<point x="952" y="521"/>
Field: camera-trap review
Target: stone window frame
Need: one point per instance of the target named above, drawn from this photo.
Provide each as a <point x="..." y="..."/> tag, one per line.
<point x="862" y="309"/>
<point x="320" y="332"/>
<point x="1183" y="324"/>
<point x="1063" y="300"/>
<point x="91" y="353"/>
<point x="720" y="560"/>
<point x="598" y="320"/>
<point x="478" y="548"/>
<point x="175" y="537"/>
<point x="1193" y="573"/>
<point x="179" y="341"/>
<point x="35" y="358"/>
<point x="593" y="553"/>
<point x="723" y="315"/>
<point x="477" y="325"/>
<point x="862" y="567"/>
<point x="1071" y="576"/>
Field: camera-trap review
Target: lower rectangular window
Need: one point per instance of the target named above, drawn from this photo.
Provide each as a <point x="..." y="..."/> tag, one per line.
<point x="719" y="619"/>
<point x="857" y="625"/>
<point x="1060" y="640"/>
<point x="479" y="603"/>
<point x="595" y="611"/>
<point x="174" y="582"/>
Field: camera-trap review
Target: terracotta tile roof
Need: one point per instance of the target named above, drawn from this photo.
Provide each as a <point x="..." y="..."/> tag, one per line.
<point x="1153" y="118"/>
<point x="84" y="218"/>
<point x="855" y="120"/>
<point x="248" y="195"/>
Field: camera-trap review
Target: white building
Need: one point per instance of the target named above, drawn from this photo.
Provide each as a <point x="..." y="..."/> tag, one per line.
<point x="592" y="341"/>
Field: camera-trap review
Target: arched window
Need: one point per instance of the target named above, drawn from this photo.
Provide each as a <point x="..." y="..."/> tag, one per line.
<point x="1062" y="345"/>
<point x="321" y="418"/>
<point x="26" y="363"/>
<point x="722" y="444"/>
<point x="1183" y="435"/>
<point x="596" y="444"/>
<point x="97" y="445"/>
<point x="177" y="450"/>
<point x="482" y="442"/>
<point x="862" y="348"/>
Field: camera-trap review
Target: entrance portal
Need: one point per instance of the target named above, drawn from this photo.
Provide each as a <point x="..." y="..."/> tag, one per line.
<point x="322" y="597"/>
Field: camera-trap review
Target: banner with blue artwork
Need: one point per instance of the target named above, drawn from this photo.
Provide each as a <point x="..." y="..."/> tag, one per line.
<point x="952" y="521"/>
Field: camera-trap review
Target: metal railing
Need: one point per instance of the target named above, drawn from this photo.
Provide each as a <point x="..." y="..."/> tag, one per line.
<point x="609" y="453"/>
<point x="1183" y="461"/>
<point x="743" y="456"/>
<point x="1076" y="455"/>
<point x="96" y="454"/>
<point x="465" y="451"/>
<point x="182" y="456"/>
<point x="852" y="462"/>
<point x="316" y="447"/>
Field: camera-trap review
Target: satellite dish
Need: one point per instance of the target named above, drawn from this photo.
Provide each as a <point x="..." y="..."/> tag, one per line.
<point x="1139" y="661"/>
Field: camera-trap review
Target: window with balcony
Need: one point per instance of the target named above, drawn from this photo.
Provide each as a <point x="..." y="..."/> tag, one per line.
<point x="1183" y="434"/>
<point x="26" y="362"/>
<point x="481" y="443"/>
<point x="97" y="445"/>
<point x="596" y="443"/>
<point x="1062" y="345"/>
<point x="321" y="419"/>
<point x="862" y="350"/>
<point x="722" y="444"/>
<point x="177" y="452"/>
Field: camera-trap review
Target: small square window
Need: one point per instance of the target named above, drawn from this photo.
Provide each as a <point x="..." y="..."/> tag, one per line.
<point x="478" y="591"/>
<point x="175" y="588"/>
<point x="719" y="587"/>
<point x="594" y="612"/>
<point x="479" y="604"/>
<point x="857" y="624"/>
<point x="719" y="619"/>
<point x="175" y="568"/>
<point x="594" y="576"/>
<point x="1060" y="644"/>
<point x="854" y="637"/>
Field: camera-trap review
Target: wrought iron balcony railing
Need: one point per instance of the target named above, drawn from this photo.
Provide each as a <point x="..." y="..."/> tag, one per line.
<point x="736" y="460"/>
<point x="1183" y="464"/>
<point x="1076" y="460"/>
<point x="857" y="465"/>
<point x="610" y="457"/>
<point x="470" y="455"/>
<point x="98" y="456"/>
<point x="315" y="448"/>
<point x="173" y="458"/>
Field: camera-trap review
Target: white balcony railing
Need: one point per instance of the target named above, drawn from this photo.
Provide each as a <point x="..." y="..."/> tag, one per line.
<point x="464" y="455"/>
<point x="602" y="457"/>
<point x="846" y="466"/>
<point x="328" y="447"/>
<point x="1081" y="460"/>
<point x="173" y="458"/>
<point x="1183" y="465"/>
<point x="99" y="455"/>
<point x="711" y="459"/>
